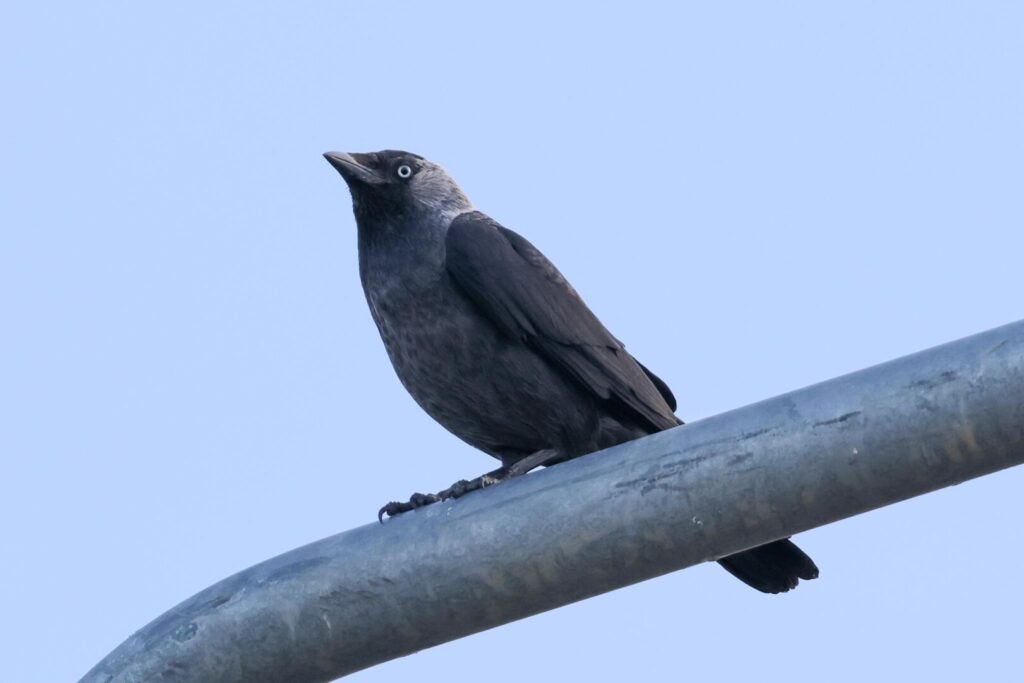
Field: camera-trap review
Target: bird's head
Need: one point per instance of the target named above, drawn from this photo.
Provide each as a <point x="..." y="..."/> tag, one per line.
<point x="394" y="183"/>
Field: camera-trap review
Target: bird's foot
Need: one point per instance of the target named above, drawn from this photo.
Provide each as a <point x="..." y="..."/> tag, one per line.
<point x="463" y="486"/>
<point x="416" y="500"/>
<point x="456" y="490"/>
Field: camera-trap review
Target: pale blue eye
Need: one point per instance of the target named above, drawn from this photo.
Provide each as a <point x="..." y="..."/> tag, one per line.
<point x="404" y="171"/>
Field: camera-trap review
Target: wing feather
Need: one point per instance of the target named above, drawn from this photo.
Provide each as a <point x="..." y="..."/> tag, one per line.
<point x="523" y="293"/>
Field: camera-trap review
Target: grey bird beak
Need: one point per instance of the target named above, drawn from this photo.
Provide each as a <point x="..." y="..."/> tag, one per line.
<point x="353" y="167"/>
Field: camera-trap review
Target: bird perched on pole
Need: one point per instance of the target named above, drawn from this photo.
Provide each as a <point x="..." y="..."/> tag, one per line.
<point x="494" y="343"/>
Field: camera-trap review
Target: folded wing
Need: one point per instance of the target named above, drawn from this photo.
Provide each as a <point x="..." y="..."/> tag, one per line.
<point x="523" y="293"/>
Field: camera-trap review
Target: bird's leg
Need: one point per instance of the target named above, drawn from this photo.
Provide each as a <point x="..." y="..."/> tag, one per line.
<point x="463" y="486"/>
<point x="532" y="461"/>
<point x="509" y="471"/>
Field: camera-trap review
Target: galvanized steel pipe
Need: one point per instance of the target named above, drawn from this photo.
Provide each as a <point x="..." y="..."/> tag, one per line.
<point x="668" y="501"/>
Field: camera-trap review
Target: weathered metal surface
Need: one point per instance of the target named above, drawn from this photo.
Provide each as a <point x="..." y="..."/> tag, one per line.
<point x="636" y="511"/>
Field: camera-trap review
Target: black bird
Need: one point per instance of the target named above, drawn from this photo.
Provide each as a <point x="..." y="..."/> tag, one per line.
<point x="494" y="343"/>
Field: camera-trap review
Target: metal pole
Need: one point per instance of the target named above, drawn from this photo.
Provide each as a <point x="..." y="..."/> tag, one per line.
<point x="668" y="501"/>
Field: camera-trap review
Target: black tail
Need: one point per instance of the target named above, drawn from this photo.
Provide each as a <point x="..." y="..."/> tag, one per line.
<point x="773" y="568"/>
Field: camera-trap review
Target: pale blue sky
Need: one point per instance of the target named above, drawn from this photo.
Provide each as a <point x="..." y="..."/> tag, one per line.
<point x="753" y="196"/>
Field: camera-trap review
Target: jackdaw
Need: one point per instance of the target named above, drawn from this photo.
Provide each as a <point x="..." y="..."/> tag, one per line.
<point x="494" y="343"/>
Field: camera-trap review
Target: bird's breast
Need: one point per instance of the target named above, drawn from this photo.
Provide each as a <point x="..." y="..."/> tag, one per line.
<point x="490" y="391"/>
<point x="430" y="332"/>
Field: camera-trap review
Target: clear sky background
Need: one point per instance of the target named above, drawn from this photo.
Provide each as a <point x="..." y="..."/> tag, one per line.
<point x="753" y="196"/>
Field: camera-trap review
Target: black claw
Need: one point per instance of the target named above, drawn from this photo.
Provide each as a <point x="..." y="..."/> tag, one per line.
<point x="393" y="508"/>
<point x="416" y="500"/>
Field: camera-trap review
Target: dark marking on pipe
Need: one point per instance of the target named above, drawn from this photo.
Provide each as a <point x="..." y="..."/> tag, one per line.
<point x="737" y="458"/>
<point x="836" y="420"/>
<point x="944" y="378"/>
<point x="218" y="601"/>
<point x="173" y="670"/>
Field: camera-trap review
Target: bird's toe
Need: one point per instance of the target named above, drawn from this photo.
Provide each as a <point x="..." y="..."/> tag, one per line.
<point x="391" y="509"/>
<point x="418" y="500"/>
<point x="459" y="488"/>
